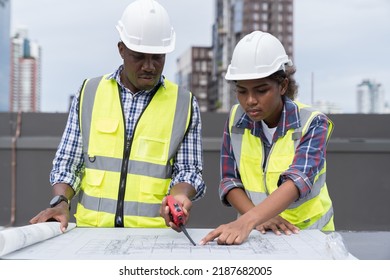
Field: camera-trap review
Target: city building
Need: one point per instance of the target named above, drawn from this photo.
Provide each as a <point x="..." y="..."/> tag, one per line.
<point x="370" y="98"/>
<point x="193" y="72"/>
<point x="5" y="22"/>
<point x="327" y="107"/>
<point x="25" y="93"/>
<point x="233" y="20"/>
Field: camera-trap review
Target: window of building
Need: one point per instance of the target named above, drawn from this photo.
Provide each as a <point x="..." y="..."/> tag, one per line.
<point x="204" y="66"/>
<point x="202" y="95"/>
<point x="197" y="66"/>
<point x="195" y="52"/>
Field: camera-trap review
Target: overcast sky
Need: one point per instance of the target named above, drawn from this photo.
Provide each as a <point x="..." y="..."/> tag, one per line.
<point x="341" y="42"/>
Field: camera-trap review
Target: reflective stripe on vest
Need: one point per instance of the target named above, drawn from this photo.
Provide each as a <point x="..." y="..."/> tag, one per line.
<point x="259" y="184"/>
<point x="149" y="168"/>
<point x="131" y="208"/>
<point x="135" y="167"/>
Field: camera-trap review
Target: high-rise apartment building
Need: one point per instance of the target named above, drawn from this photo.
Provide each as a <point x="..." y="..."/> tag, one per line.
<point x="25" y="93"/>
<point x="233" y="20"/>
<point x="194" y="70"/>
<point x="370" y="98"/>
<point x="5" y="19"/>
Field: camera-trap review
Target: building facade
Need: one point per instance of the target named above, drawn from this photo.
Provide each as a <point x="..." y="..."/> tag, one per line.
<point x="5" y="19"/>
<point x="194" y="70"/>
<point x="25" y="93"/>
<point x="233" y="20"/>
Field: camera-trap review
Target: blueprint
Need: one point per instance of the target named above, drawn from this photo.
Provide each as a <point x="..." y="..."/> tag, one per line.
<point x="14" y="238"/>
<point x="137" y="243"/>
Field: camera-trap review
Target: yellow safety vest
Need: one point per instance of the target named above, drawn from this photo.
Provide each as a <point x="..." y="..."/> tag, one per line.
<point x="125" y="180"/>
<point x="312" y="212"/>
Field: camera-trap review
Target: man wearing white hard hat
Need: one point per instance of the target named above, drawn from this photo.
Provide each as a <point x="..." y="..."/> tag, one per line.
<point x="132" y="136"/>
<point x="273" y="157"/>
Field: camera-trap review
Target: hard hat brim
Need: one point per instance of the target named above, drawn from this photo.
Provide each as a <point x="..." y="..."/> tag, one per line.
<point x="170" y="47"/>
<point x="231" y="76"/>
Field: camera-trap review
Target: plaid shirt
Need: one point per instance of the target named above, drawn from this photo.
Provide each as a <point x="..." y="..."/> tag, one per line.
<point x="309" y="156"/>
<point x="68" y="164"/>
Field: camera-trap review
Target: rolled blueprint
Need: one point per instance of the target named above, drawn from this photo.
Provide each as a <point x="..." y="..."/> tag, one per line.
<point x="15" y="238"/>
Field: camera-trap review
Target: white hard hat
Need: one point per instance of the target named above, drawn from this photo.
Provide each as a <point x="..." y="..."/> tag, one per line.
<point x="145" y="27"/>
<point x="257" y="55"/>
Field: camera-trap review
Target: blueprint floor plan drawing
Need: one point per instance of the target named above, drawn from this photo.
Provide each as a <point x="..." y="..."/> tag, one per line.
<point x="141" y="243"/>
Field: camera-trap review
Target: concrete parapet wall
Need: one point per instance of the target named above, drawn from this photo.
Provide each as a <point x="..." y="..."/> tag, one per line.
<point x="358" y="162"/>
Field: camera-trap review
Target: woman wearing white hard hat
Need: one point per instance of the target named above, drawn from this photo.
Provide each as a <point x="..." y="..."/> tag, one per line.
<point x="273" y="157"/>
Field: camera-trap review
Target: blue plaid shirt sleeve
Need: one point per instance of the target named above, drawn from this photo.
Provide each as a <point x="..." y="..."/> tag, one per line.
<point x="68" y="163"/>
<point x="188" y="163"/>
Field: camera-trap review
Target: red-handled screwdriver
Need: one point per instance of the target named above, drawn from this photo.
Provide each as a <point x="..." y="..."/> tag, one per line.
<point x="177" y="216"/>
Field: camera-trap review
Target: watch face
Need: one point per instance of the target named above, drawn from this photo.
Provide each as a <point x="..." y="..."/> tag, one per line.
<point x="57" y="200"/>
<point x="54" y="200"/>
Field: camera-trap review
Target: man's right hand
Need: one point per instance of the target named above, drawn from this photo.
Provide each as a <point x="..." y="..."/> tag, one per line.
<point x="59" y="213"/>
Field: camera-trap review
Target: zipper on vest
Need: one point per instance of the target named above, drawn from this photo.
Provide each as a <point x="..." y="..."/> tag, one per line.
<point x="119" y="215"/>
<point x="122" y="185"/>
<point x="266" y="159"/>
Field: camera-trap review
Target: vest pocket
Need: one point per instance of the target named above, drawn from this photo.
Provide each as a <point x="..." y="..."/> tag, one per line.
<point x="279" y="163"/>
<point x="251" y="173"/>
<point x="152" y="149"/>
<point x="104" y="142"/>
<point x="107" y="125"/>
<point x="87" y="214"/>
<point x="304" y="214"/>
<point x="276" y="166"/>
<point x="153" y="190"/>
<point x="94" y="178"/>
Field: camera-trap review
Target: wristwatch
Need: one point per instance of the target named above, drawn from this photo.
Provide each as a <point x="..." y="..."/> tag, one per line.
<point x="57" y="200"/>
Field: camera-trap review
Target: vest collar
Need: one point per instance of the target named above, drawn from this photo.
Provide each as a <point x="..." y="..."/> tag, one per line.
<point x="116" y="76"/>
<point x="288" y="120"/>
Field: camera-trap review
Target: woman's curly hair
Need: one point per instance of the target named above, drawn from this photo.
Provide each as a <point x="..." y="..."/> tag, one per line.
<point x="292" y="88"/>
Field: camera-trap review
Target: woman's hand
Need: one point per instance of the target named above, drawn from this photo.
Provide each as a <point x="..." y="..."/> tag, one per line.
<point x="278" y="225"/>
